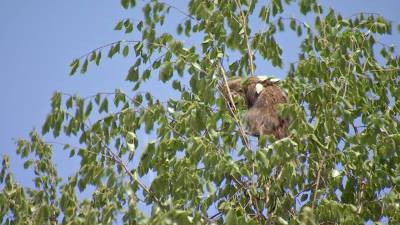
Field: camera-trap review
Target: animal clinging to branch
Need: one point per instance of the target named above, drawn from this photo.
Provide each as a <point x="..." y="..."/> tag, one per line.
<point x="262" y="97"/>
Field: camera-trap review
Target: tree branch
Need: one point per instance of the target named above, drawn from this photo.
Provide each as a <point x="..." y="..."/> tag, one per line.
<point x="316" y="188"/>
<point x="232" y="108"/>
<point x="243" y="22"/>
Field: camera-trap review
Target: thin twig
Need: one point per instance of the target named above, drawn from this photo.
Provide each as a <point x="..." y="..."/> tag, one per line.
<point x="316" y="188"/>
<point x="104" y="46"/>
<point x="232" y="108"/>
<point x="76" y="147"/>
<point x="177" y="9"/>
<point x="119" y="161"/>
<point x="246" y="37"/>
<point x="360" y="198"/>
<point x="118" y="42"/>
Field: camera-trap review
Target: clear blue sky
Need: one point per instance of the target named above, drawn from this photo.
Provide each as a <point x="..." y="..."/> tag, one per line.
<point x="38" y="40"/>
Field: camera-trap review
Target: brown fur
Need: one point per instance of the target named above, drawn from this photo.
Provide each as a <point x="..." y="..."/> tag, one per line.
<point x="262" y="117"/>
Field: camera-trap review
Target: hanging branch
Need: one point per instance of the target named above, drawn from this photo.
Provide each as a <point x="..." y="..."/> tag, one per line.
<point x="232" y="108"/>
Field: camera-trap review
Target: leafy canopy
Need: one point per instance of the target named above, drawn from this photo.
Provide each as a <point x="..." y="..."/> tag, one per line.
<point x="340" y="164"/>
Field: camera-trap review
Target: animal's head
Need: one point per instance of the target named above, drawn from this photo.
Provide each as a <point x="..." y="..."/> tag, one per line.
<point x="249" y="88"/>
<point x="236" y="91"/>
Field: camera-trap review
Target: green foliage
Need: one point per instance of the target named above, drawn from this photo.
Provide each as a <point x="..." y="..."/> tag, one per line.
<point x="340" y="164"/>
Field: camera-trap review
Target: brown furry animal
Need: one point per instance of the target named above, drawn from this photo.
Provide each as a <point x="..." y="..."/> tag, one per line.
<point x="262" y="97"/>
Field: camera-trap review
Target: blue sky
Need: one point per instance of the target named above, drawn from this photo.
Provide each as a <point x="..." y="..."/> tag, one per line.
<point x="38" y="40"/>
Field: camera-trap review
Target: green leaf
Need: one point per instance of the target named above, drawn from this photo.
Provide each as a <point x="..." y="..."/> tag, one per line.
<point x="188" y="27"/>
<point x="262" y="158"/>
<point x="280" y="25"/>
<point x="176" y="85"/>
<point x="129" y="28"/>
<point x="139" y="26"/>
<point x="125" y="3"/>
<point x="84" y="66"/>
<point x="69" y="102"/>
<point x="293" y="24"/>
<point x="299" y="31"/>
<point x="125" y="51"/>
<point x="88" y="109"/>
<point x="138" y="48"/>
<point x="156" y="64"/>
<point x="72" y="153"/>
<point x="166" y="72"/>
<point x="43" y="214"/>
<point x="231" y="218"/>
<point x="114" y="49"/>
<point x="97" y="98"/>
<point x="104" y="106"/>
<point x="119" y="25"/>
<point x="98" y="58"/>
<point x="28" y="163"/>
<point x="282" y="221"/>
<point x="146" y="75"/>
<point x="138" y="100"/>
<point x="93" y="56"/>
<point x="133" y="74"/>
<point x="197" y="66"/>
<point x="137" y="85"/>
<point x="74" y="66"/>
<point x="179" y="29"/>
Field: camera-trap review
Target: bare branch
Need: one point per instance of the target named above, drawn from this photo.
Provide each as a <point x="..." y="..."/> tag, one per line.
<point x="316" y="188"/>
<point x="232" y="108"/>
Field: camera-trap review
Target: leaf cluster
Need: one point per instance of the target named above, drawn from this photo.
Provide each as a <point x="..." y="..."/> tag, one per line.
<point x="340" y="164"/>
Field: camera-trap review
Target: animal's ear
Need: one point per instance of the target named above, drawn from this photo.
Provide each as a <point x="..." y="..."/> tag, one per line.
<point x="234" y="84"/>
